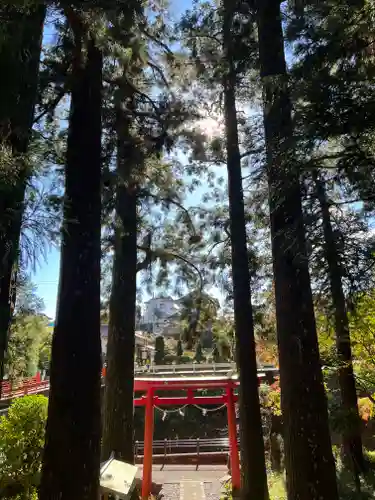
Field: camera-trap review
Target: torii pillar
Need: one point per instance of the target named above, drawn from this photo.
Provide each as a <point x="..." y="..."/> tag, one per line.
<point x="233" y="445"/>
<point x="148" y="442"/>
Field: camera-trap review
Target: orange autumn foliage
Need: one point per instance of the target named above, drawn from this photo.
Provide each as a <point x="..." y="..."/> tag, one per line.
<point x="366" y="409"/>
<point x="266" y="352"/>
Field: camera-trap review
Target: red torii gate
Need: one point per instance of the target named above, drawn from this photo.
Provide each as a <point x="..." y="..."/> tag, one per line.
<point x="189" y="384"/>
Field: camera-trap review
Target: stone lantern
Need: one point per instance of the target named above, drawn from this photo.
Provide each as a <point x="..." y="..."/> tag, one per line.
<point x="117" y="479"/>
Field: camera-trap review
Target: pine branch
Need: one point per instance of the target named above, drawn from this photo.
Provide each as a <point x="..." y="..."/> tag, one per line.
<point x="155" y="40"/>
<point x="156" y="68"/>
<point x="251" y="152"/>
<point x="167" y="199"/>
<point x="51" y="106"/>
<point x="153" y="255"/>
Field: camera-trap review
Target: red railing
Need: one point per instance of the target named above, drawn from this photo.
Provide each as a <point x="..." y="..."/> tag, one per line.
<point x="32" y="385"/>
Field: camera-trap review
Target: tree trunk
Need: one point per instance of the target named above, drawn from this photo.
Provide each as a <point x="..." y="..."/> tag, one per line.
<point x="308" y="453"/>
<point x="276" y="440"/>
<point x="19" y="67"/>
<point x="254" y="478"/>
<point x="352" y="440"/>
<point x="72" y="452"/>
<point x="118" y="417"/>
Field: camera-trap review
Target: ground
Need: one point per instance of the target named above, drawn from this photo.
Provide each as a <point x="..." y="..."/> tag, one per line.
<point x="185" y="482"/>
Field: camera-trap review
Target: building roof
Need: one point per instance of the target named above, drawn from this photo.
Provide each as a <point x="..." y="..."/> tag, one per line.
<point x="167" y="297"/>
<point x="138" y="336"/>
<point x="104" y="332"/>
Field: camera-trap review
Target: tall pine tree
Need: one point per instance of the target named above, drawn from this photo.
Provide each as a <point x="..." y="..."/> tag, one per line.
<point x="308" y="454"/>
<point x="254" y="479"/>
<point x="352" y="432"/>
<point x="20" y="48"/>
<point x="72" y="451"/>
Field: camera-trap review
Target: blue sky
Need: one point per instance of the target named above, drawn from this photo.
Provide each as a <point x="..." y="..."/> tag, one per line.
<point x="46" y="276"/>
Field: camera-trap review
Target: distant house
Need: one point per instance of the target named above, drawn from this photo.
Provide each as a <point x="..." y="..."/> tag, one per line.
<point x="161" y="316"/>
<point x="143" y="347"/>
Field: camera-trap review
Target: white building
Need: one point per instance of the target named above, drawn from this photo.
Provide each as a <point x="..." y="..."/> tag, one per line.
<point x="160" y="313"/>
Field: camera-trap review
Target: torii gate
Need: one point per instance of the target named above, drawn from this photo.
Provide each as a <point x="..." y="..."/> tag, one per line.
<point x="189" y="384"/>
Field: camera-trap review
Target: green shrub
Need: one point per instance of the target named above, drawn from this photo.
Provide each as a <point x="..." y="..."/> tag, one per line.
<point x="216" y="354"/>
<point x="22" y="434"/>
<point x="159" y="351"/>
<point x="179" y="349"/>
<point x="170" y="359"/>
<point x="199" y="353"/>
<point x="276" y="487"/>
<point x="370" y="456"/>
<point x="185" y="359"/>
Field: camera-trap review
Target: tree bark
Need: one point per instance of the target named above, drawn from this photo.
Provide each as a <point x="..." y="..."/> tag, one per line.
<point x="71" y="460"/>
<point x="308" y="453"/>
<point x="118" y="414"/>
<point x="19" y="68"/>
<point x="254" y="478"/>
<point x="352" y="440"/>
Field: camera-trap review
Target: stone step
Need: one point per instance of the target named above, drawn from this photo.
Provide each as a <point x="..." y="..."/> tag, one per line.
<point x="192" y="490"/>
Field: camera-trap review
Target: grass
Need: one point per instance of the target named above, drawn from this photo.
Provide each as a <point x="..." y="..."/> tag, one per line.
<point x="346" y="486"/>
<point x="345" y="480"/>
<point x="276" y="487"/>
